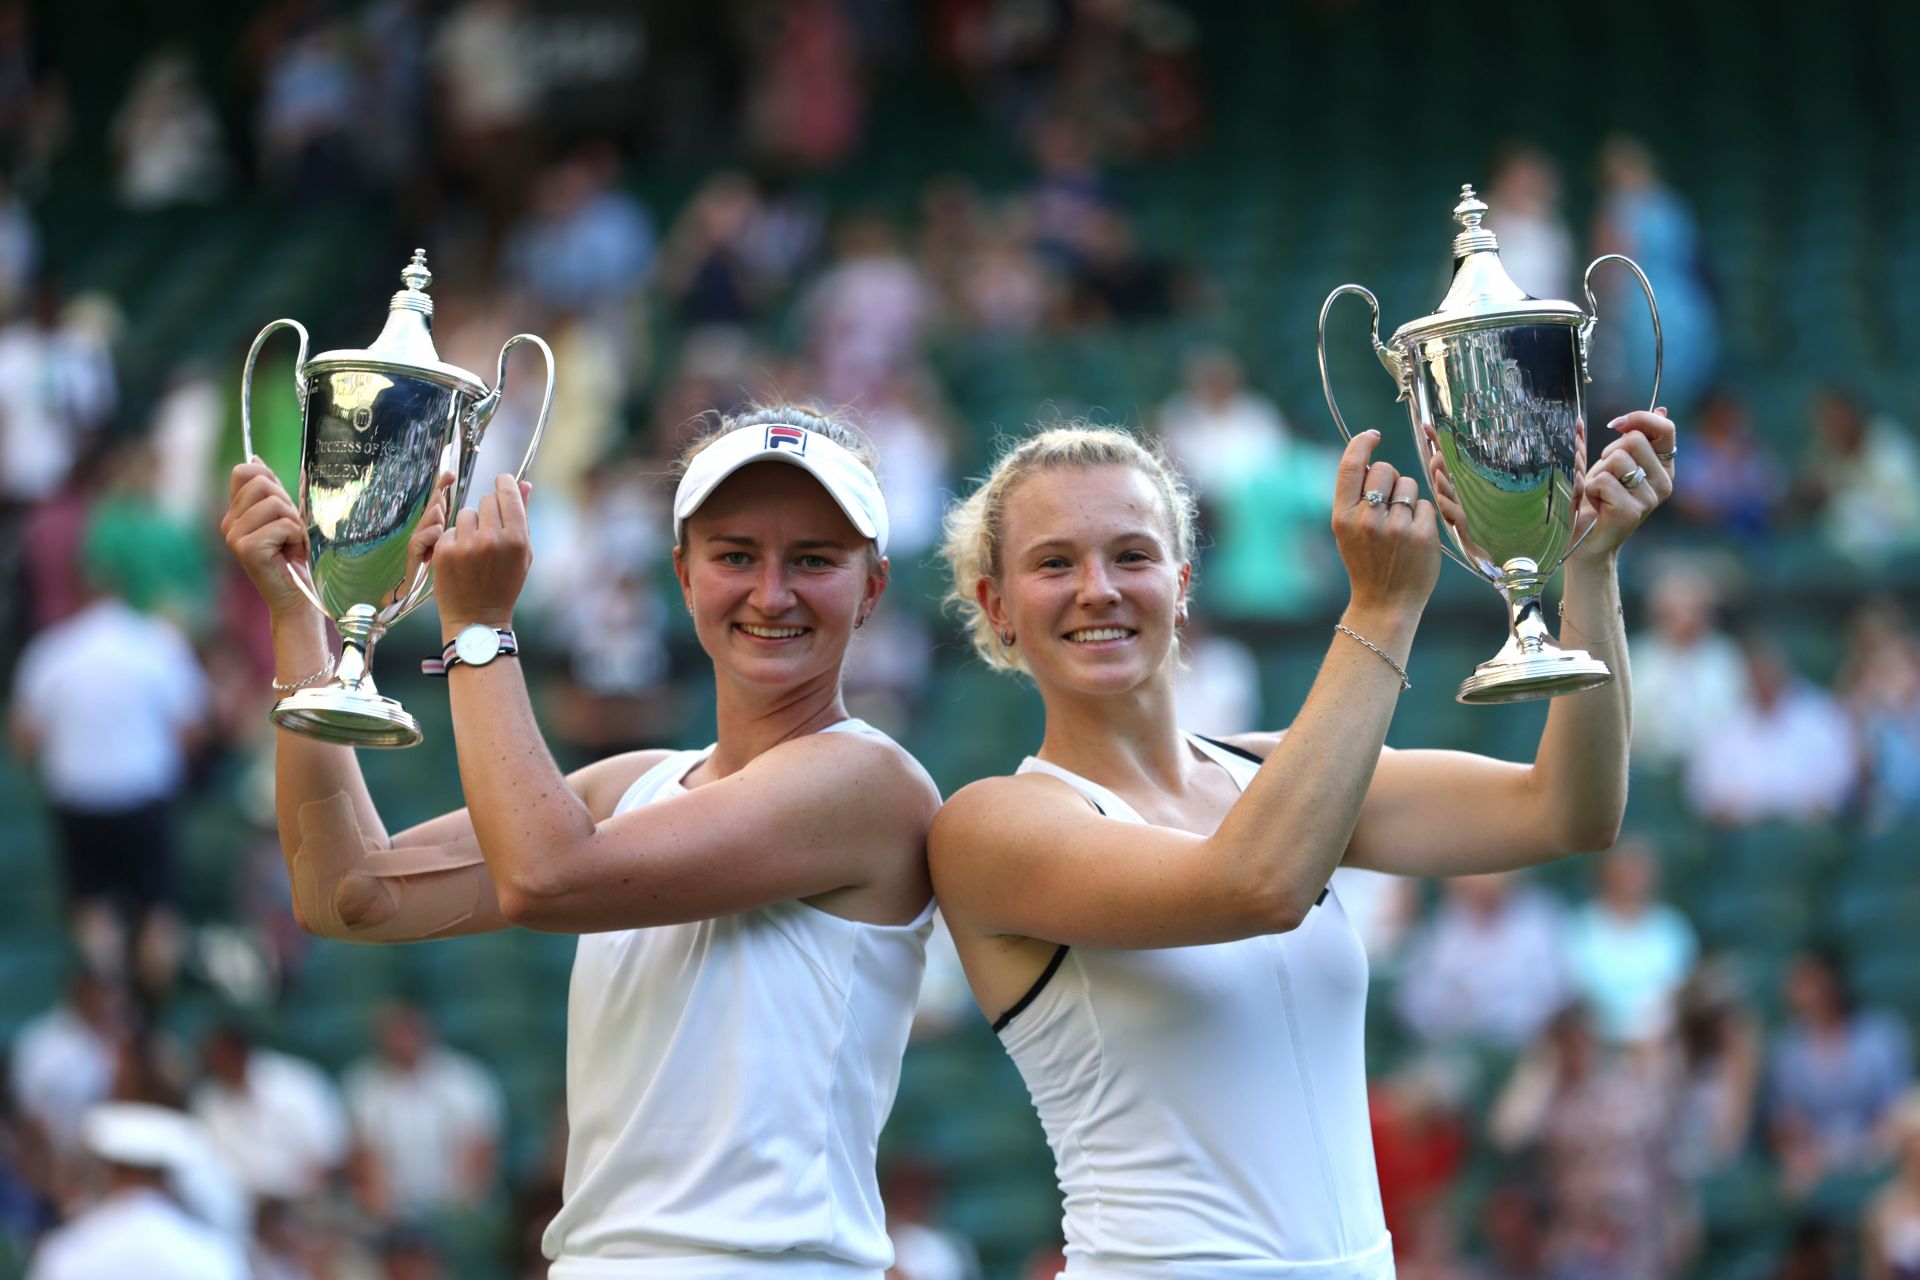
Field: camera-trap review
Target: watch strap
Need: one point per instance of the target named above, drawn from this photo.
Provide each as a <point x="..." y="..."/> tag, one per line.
<point x="449" y="659"/>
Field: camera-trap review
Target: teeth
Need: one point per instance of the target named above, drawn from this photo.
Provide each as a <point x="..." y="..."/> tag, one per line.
<point x="1099" y="633"/>
<point x="772" y="633"/>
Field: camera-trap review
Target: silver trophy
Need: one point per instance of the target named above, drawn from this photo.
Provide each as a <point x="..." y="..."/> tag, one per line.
<point x="387" y="444"/>
<point x="1493" y="383"/>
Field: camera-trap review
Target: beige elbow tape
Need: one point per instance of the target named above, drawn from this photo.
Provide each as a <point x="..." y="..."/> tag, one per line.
<point x="351" y="888"/>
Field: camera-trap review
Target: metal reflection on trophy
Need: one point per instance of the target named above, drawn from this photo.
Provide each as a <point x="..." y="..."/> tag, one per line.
<point x="1493" y="383"/>
<point x="389" y="435"/>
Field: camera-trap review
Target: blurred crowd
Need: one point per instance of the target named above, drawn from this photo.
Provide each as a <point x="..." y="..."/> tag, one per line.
<point x="1575" y="1072"/>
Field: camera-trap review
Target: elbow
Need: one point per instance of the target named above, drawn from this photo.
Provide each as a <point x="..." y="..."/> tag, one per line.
<point x="529" y="903"/>
<point x="1279" y="909"/>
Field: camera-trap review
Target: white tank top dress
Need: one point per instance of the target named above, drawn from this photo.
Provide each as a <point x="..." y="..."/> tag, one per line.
<point x="1207" y="1105"/>
<point x="726" y="1085"/>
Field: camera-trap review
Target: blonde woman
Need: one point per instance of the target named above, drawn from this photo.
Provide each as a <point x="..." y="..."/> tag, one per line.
<point x="754" y="914"/>
<point x="1144" y="914"/>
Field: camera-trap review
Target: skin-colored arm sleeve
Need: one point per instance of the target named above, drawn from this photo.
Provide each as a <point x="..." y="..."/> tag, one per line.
<point x="355" y="890"/>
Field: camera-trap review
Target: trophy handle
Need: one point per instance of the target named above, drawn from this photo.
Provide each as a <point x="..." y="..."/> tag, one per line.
<point x="1593" y="314"/>
<point x="1586" y="337"/>
<point x="1395" y="363"/>
<point x="246" y="420"/>
<point x="483" y="409"/>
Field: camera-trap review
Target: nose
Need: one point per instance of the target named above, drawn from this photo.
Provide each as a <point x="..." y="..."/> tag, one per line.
<point x="772" y="592"/>
<point x="1096" y="586"/>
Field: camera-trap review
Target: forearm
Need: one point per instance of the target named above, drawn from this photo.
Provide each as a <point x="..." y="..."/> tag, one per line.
<point x="348" y="878"/>
<point x="524" y="814"/>
<point x="1579" y="775"/>
<point x="1292" y="827"/>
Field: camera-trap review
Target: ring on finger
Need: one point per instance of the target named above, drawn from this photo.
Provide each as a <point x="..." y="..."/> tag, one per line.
<point x="1374" y="497"/>
<point x="1400" y="502"/>
<point x="1634" y="478"/>
<point x="1669" y="454"/>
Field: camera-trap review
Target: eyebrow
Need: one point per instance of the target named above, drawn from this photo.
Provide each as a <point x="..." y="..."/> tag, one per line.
<point x="802" y="544"/>
<point x="1125" y="536"/>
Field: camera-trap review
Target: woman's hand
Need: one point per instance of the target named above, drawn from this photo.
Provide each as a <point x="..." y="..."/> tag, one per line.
<point x="481" y="561"/>
<point x="1611" y="508"/>
<point x="263" y="530"/>
<point x="1391" y="547"/>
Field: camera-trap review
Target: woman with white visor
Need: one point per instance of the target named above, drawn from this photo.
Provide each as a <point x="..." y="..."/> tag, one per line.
<point x="754" y="914"/>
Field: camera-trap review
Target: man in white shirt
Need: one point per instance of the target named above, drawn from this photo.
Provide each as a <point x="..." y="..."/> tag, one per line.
<point x="1787" y="755"/>
<point x="276" y="1119"/>
<point x="1491" y="964"/>
<point x="137" y="1228"/>
<point x="427" y="1118"/>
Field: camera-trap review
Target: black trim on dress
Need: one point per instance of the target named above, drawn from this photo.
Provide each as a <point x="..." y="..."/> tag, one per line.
<point x="1039" y="984"/>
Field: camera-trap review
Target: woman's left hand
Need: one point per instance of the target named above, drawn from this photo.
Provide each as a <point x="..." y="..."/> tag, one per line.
<point x="1611" y="506"/>
<point x="481" y="561"/>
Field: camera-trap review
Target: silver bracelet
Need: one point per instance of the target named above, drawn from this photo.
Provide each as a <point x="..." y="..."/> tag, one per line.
<point x="1405" y="684"/>
<point x="304" y="681"/>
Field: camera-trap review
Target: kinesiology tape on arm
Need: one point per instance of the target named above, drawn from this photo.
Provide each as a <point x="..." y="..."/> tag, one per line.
<point x="349" y="888"/>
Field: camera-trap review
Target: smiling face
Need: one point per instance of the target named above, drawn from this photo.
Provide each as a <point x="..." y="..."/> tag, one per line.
<point x="1090" y="582"/>
<point x="775" y="576"/>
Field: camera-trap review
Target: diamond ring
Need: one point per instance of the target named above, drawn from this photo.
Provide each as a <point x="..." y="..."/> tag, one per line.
<point x="1634" y="478"/>
<point x="1374" y="497"/>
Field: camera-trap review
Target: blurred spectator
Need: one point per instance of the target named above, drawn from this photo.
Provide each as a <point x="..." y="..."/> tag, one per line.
<point x="1420" y="1142"/>
<point x="1600" y="1123"/>
<point x="138" y="1227"/>
<point x="867" y="314"/>
<point x="1890" y="1231"/>
<point x="428" y="1121"/>
<point x="1643" y="218"/>
<point x="1880" y="687"/>
<point x="1834" y="1075"/>
<point x="1787" y="754"/>
<point x="1490" y="965"/>
<point x="1119" y="282"/>
<point x="1816" y="1250"/>
<point x="188" y="421"/>
<point x="914" y="437"/>
<point x="308" y="110"/>
<point x="1732" y="484"/>
<point x="1863" y="478"/>
<point x="1217" y="684"/>
<point x="1524" y="213"/>
<point x="486" y="94"/>
<point x="166" y="139"/>
<point x="922" y="1248"/>
<point x="1069" y="195"/>
<point x="584" y="244"/>
<point x="108" y="705"/>
<point x="805" y="92"/>
<point x="708" y="269"/>
<point x="1627" y="951"/>
<point x="1216" y="428"/>
<point x="56" y="394"/>
<point x="19" y="247"/>
<point x="1688" y="677"/>
<point x="395" y="83"/>
<point x="277" y="1119"/>
<point x="63" y="1060"/>
<point x="1513" y="1231"/>
<point x="1005" y="290"/>
<point x="1719" y="1066"/>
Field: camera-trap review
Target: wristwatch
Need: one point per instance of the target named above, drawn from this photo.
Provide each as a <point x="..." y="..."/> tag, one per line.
<point x="476" y="646"/>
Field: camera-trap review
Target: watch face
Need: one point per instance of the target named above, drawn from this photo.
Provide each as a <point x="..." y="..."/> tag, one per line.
<point x="477" y="646"/>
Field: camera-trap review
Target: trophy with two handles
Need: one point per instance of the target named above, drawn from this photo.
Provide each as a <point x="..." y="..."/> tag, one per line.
<point x="388" y="439"/>
<point x="1493" y="383"/>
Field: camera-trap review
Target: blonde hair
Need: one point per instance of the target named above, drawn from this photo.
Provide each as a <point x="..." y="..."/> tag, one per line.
<point x="975" y="526"/>
<point x="836" y="429"/>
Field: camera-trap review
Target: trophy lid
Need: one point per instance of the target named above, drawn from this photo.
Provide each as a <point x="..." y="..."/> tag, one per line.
<point x="405" y="344"/>
<point x="1482" y="295"/>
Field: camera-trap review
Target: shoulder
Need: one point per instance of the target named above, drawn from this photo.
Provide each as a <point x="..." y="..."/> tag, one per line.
<point x="1254" y="744"/>
<point x="985" y="820"/>
<point x="864" y="769"/>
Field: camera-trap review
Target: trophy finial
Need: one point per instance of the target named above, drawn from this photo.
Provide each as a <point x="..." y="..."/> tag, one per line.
<point x="1473" y="237"/>
<point x="415" y="274"/>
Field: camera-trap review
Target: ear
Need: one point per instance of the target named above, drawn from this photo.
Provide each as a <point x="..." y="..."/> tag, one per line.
<point x="987" y="593"/>
<point x="877" y="580"/>
<point x="1186" y="576"/>
<point x="680" y="572"/>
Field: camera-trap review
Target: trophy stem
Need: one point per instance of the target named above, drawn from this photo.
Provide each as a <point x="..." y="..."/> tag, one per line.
<point x="1531" y="664"/>
<point x="347" y="709"/>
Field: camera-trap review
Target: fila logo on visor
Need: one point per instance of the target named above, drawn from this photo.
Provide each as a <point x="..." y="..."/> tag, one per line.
<point x="786" y="438"/>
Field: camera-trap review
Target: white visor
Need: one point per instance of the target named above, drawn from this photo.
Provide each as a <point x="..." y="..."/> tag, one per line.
<point x="842" y="474"/>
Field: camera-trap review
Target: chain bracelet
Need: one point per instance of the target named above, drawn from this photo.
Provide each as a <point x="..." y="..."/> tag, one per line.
<point x="1405" y="684"/>
<point x="304" y="681"/>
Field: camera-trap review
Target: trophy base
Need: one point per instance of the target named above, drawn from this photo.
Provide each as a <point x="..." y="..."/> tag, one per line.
<point x="333" y="714"/>
<point x="1522" y="677"/>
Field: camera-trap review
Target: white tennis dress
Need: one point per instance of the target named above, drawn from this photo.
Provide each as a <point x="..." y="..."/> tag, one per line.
<point x="726" y="1085"/>
<point x="1207" y="1105"/>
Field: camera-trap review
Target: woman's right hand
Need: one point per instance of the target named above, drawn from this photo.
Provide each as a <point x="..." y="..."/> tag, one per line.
<point x="264" y="532"/>
<point x="1391" y="548"/>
